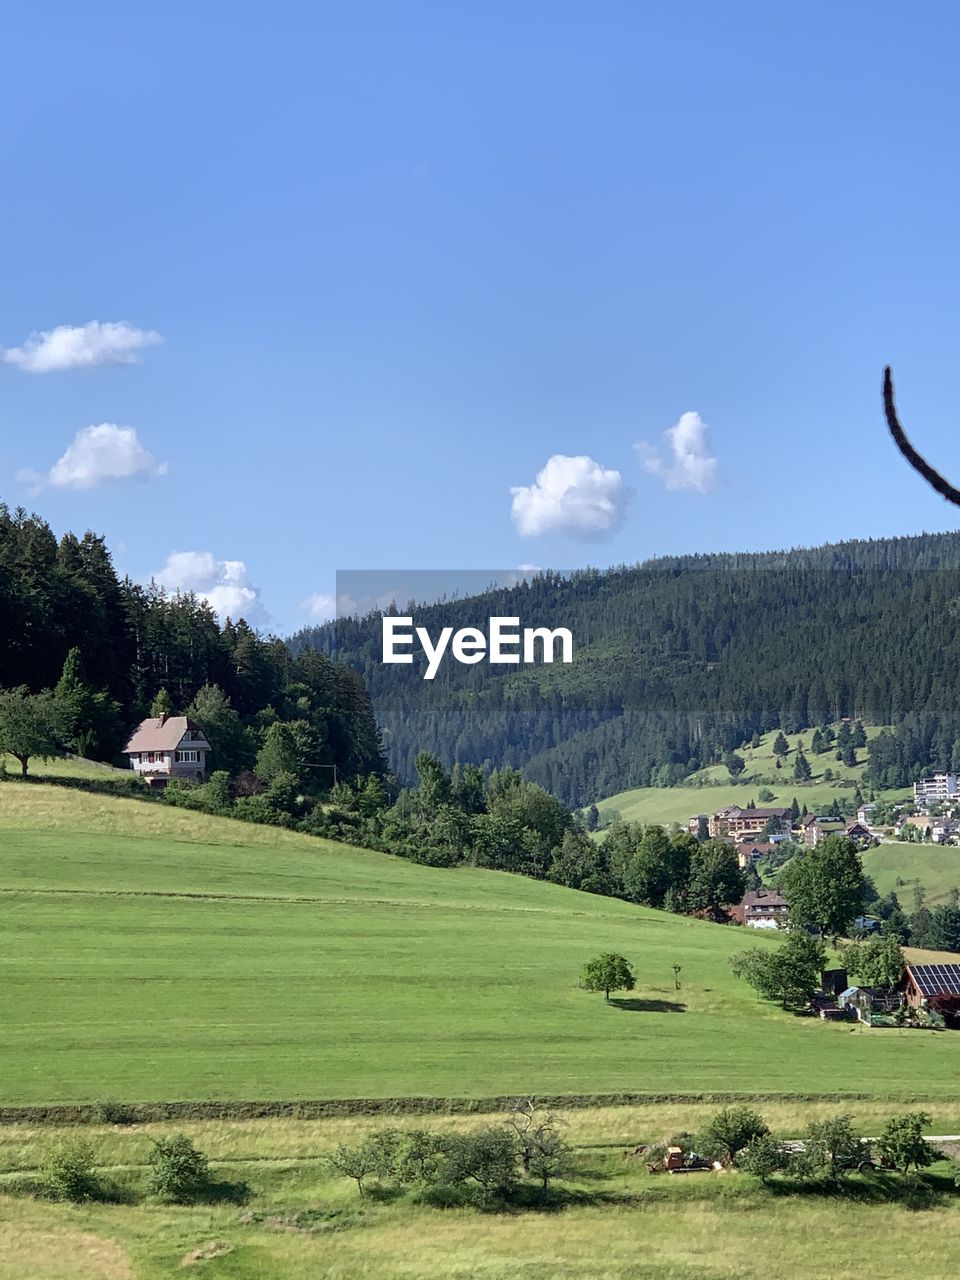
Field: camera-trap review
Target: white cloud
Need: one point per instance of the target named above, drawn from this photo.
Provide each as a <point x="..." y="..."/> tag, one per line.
<point x="96" y="456"/>
<point x="80" y="346"/>
<point x="575" y="496"/>
<point x="319" y="607"/>
<point x="691" y="465"/>
<point x="223" y="583"/>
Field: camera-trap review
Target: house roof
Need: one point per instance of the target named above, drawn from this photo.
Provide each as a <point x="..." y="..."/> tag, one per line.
<point x="162" y="733"/>
<point x="936" y="979"/>
<point x="756" y="898"/>
<point x="756" y="846"/>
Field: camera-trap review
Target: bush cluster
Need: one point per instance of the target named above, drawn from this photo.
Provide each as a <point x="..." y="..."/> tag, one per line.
<point x="482" y="1167"/>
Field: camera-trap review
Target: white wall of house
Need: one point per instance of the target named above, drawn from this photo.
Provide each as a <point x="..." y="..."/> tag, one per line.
<point x="185" y="762"/>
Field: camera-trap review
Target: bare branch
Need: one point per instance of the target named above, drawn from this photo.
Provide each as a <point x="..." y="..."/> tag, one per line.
<point x="919" y="463"/>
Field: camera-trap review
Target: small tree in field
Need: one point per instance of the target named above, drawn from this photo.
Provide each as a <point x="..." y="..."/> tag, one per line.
<point x="835" y="1146"/>
<point x="543" y="1150"/>
<point x="353" y="1162"/>
<point x="902" y="1144"/>
<point x="730" y="1131"/>
<point x="606" y="973"/>
<point x="31" y="724"/>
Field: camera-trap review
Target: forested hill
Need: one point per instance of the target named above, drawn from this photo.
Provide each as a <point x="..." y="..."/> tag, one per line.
<point x="679" y="660"/>
<point x="62" y="602"/>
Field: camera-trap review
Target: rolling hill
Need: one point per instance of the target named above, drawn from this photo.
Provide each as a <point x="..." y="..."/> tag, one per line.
<point x="711" y="789"/>
<point x="899" y="868"/>
<point x="677" y="660"/>
<point x="157" y="954"/>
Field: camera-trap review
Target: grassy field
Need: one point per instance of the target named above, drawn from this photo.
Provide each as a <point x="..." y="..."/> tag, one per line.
<point x="156" y="954"/>
<point x="711" y="789"/>
<point x="64" y="767"/>
<point x="897" y="868"/>
<point x="617" y="1221"/>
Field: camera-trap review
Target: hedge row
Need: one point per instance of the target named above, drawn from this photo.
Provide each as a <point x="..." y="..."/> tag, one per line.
<point x="318" y="1109"/>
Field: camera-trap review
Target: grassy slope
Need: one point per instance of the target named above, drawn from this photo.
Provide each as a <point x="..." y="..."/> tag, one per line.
<point x="67" y="767"/>
<point x="711" y="789"/>
<point x="897" y="867"/>
<point x="308" y="969"/>
<point x="637" y="1228"/>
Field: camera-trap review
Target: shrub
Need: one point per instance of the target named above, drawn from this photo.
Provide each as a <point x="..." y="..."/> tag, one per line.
<point x="835" y="1146"/>
<point x="419" y="1157"/>
<point x="108" y="1111"/>
<point x="69" y="1174"/>
<point x="179" y="1173"/>
<point x="764" y="1156"/>
<point x="486" y="1157"/>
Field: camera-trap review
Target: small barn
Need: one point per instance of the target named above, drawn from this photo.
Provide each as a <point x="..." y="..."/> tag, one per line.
<point x="933" y="986"/>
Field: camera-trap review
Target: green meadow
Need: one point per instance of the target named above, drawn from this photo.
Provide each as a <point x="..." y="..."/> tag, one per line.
<point x="151" y="954"/>
<point x="610" y="1220"/>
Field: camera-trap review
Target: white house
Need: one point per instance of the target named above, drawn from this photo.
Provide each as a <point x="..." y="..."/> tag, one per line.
<point x="164" y="747"/>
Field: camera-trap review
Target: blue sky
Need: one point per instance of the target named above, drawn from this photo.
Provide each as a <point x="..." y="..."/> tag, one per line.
<point x="400" y="256"/>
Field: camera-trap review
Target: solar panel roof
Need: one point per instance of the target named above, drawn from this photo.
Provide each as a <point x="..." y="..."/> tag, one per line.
<point x="936" y="979"/>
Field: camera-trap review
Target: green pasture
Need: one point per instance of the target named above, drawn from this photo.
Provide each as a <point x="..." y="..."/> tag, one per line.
<point x="156" y="954"/>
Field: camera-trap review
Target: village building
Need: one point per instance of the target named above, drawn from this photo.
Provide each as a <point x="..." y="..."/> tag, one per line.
<point x="859" y="833"/>
<point x="763" y="909"/>
<point x="912" y="820"/>
<point x="865" y="813"/>
<point x="165" y="747"/>
<point x="736" y="821"/>
<point x="750" y="851"/>
<point x="935" y="790"/>
<point x="813" y="829"/>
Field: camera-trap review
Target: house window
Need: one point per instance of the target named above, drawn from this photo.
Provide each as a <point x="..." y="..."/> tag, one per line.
<point x="187" y="757"/>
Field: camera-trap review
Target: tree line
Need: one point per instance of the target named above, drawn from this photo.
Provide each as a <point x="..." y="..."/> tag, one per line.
<point x="85" y="655"/>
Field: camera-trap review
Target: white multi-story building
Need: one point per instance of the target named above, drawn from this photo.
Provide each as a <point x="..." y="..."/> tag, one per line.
<point x="935" y="790"/>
